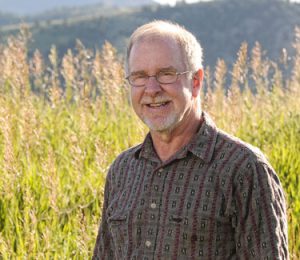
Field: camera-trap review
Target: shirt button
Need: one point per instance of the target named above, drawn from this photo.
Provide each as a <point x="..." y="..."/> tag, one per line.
<point x="148" y="243"/>
<point x="153" y="205"/>
<point x="160" y="170"/>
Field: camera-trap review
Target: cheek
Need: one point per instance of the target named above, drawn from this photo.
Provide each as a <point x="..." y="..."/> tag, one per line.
<point x="184" y="96"/>
<point x="188" y="91"/>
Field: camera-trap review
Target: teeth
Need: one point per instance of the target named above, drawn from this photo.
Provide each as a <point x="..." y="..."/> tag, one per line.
<point x="157" y="105"/>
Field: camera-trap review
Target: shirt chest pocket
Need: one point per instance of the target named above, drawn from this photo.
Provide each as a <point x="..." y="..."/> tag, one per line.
<point x="190" y="227"/>
<point x="199" y="235"/>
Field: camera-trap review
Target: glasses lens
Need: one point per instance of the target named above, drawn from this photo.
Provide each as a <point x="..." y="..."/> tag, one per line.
<point x="163" y="77"/>
<point x="167" y="76"/>
<point x="137" y="80"/>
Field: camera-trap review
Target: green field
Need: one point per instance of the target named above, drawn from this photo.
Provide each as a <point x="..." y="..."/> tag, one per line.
<point x="63" y="122"/>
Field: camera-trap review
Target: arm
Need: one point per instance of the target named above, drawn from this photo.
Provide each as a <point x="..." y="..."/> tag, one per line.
<point x="261" y="224"/>
<point x="104" y="248"/>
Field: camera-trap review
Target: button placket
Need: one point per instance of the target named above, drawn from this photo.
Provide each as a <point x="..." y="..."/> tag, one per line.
<point x="148" y="243"/>
<point x="153" y="205"/>
<point x="159" y="172"/>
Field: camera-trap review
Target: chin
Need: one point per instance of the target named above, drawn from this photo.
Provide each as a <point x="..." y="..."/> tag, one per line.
<point x="165" y="125"/>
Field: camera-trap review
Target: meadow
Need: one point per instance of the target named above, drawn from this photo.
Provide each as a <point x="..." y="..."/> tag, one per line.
<point x="63" y="121"/>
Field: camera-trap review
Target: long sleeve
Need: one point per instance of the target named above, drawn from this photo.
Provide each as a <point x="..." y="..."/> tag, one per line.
<point x="104" y="248"/>
<point x="260" y="211"/>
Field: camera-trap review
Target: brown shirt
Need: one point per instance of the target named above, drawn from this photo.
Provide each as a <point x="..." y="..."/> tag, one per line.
<point x="217" y="198"/>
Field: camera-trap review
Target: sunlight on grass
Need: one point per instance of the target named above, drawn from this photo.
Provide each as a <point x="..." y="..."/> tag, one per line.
<point x="62" y="122"/>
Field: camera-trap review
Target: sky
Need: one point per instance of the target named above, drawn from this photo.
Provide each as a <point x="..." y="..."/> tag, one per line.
<point x="22" y="7"/>
<point x="172" y="2"/>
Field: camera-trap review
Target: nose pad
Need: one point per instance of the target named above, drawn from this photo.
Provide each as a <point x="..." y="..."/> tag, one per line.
<point x="152" y="85"/>
<point x="152" y="78"/>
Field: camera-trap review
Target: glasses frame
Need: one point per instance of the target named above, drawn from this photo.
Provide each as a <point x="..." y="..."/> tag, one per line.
<point x="156" y="77"/>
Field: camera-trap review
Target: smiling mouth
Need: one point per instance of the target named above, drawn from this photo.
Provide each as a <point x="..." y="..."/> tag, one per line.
<point x="157" y="105"/>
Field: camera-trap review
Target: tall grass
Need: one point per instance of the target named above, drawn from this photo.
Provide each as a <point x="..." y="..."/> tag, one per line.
<point x="62" y="122"/>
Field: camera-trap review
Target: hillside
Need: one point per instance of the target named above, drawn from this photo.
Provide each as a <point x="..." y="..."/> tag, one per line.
<point x="31" y="7"/>
<point x="62" y="124"/>
<point x="6" y="19"/>
<point x="221" y="26"/>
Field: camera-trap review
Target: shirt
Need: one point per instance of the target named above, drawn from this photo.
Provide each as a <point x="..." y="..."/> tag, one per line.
<point x="216" y="198"/>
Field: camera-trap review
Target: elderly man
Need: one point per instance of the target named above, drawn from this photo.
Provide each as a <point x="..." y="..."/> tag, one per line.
<point x="189" y="191"/>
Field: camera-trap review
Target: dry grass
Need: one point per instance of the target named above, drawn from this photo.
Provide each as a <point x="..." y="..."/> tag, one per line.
<point x="62" y="122"/>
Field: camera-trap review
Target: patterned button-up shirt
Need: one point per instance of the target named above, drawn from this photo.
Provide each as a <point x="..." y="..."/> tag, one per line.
<point x="216" y="198"/>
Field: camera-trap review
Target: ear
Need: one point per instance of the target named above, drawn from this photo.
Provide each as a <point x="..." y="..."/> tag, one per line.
<point x="197" y="82"/>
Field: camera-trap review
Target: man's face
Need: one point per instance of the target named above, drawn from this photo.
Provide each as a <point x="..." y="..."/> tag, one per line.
<point x="162" y="107"/>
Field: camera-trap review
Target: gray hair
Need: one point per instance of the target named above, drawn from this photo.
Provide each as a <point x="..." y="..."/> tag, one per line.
<point x="190" y="47"/>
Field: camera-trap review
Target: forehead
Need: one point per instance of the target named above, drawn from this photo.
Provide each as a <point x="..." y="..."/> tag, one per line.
<point x="150" y="53"/>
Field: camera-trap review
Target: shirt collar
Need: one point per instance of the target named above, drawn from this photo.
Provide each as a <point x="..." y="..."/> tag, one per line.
<point x="202" y="144"/>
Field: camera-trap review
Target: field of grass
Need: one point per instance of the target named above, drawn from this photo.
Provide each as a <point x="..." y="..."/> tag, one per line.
<point x="63" y="122"/>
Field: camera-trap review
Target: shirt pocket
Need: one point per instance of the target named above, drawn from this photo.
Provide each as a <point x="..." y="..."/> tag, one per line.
<point x="191" y="235"/>
<point x="189" y="226"/>
<point x="118" y="227"/>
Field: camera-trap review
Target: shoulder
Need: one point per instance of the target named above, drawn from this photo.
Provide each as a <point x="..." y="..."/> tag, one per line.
<point x="242" y="162"/>
<point x="123" y="160"/>
<point x="241" y="148"/>
<point x="229" y="149"/>
<point x="251" y="167"/>
<point x="126" y="155"/>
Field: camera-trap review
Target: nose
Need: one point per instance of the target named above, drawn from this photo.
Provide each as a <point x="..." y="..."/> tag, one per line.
<point x="152" y="86"/>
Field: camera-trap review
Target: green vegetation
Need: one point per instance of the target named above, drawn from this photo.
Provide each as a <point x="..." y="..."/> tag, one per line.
<point x="62" y="124"/>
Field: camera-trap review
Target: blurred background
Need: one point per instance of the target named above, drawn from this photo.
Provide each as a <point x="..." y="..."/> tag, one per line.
<point x="65" y="112"/>
<point x="220" y="25"/>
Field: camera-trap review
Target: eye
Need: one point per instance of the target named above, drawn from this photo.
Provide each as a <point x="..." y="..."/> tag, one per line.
<point x="167" y="73"/>
<point x="138" y="76"/>
<point x="137" y="79"/>
<point x="166" y="76"/>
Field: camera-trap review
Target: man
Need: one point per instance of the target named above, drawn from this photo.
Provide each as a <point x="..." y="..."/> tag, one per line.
<point x="189" y="191"/>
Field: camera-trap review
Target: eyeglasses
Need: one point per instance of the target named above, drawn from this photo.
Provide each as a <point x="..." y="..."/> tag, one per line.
<point x="163" y="77"/>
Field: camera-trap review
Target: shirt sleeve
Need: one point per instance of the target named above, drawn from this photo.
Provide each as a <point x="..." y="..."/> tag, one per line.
<point x="104" y="247"/>
<point x="260" y="214"/>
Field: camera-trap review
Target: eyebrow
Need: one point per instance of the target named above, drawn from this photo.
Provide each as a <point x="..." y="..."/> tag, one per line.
<point x="168" y="69"/>
<point x="137" y="72"/>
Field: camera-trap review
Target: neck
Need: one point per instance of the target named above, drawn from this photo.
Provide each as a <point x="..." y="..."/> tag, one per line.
<point x="168" y="143"/>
